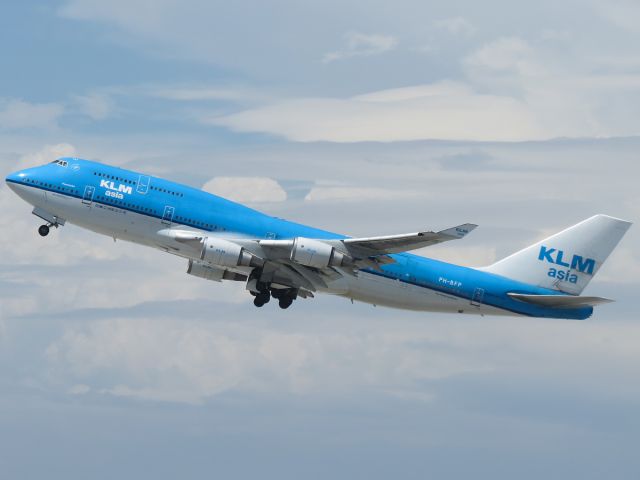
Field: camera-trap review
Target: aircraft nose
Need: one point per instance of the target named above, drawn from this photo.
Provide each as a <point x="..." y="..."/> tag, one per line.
<point x="15" y="178"/>
<point x="12" y="177"/>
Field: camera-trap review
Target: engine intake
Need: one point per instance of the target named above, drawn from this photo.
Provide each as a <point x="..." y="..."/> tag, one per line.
<point x="315" y="253"/>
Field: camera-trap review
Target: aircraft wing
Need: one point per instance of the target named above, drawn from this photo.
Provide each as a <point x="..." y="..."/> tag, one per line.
<point x="374" y="246"/>
<point x="304" y="263"/>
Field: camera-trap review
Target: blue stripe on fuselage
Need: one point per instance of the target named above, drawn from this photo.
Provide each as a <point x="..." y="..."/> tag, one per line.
<point x="205" y="211"/>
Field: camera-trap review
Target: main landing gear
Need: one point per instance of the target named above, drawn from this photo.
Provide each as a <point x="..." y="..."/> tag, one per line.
<point x="285" y="296"/>
<point x="262" y="298"/>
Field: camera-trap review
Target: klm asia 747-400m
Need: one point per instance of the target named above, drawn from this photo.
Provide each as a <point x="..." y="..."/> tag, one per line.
<point x="223" y="240"/>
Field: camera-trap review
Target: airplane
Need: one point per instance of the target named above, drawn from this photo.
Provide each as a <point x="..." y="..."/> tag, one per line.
<point x="283" y="260"/>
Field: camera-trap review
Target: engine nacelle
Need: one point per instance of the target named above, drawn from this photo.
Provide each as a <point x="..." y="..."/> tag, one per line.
<point x="216" y="274"/>
<point x="224" y="253"/>
<point x="315" y="253"/>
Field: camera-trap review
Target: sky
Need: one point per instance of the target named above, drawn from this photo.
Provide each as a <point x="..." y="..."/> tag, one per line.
<point x="367" y="118"/>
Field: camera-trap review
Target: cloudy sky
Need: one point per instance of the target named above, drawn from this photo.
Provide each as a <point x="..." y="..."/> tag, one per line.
<point x="367" y="118"/>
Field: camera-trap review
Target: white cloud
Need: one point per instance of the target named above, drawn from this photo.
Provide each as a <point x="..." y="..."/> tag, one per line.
<point x="246" y="189"/>
<point x="565" y="96"/>
<point x="16" y="114"/>
<point x="439" y="111"/>
<point x="187" y="361"/>
<point x="513" y="91"/>
<point x="191" y="361"/>
<point x="362" y="45"/>
<point x="79" y="389"/>
<point x="503" y="54"/>
<point x="623" y="13"/>
<point x="538" y="84"/>
<point x="216" y="32"/>
<point x="206" y="93"/>
<point x="46" y="154"/>
<point x="341" y="193"/>
<point x="456" y="25"/>
<point x="97" y="106"/>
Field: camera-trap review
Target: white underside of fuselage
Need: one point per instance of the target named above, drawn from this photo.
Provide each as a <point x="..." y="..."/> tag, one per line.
<point x="150" y="231"/>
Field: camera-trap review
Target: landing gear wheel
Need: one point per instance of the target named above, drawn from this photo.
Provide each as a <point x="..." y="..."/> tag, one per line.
<point x="261" y="299"/>
<point x="285" y="302"/>
<point x="43" y="230"/>
<point x="264" y="296"/>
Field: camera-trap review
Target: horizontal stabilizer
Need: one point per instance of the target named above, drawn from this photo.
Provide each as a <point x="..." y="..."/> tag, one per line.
<point x="559" y="301"/>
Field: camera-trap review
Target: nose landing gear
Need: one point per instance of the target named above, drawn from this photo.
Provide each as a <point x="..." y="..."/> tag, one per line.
<point x="44" y="230"/>
<point x="51" y="219"/>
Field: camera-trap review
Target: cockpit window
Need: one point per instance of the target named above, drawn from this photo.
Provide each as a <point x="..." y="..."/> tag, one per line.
<point x="62" y="163"/>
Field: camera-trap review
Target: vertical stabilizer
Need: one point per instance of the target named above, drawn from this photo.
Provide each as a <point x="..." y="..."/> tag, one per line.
<point x="568" y="260"/>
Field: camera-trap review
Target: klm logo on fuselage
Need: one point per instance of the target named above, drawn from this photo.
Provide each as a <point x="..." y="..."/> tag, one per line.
<point x="115" y="191"/>
<point x="577" y="264"/>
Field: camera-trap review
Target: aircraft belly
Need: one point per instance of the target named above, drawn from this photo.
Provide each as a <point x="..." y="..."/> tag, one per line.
<point x="383" y="291"/>
<point x="104" y="219"/>
<point x="35" y="196"/>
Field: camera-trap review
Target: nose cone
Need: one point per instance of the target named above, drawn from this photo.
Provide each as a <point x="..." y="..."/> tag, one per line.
<point x="21" y="182"/>
<point x="15" y="178"/>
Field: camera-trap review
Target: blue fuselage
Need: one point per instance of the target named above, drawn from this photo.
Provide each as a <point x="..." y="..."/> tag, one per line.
<point x="165" y="204"/>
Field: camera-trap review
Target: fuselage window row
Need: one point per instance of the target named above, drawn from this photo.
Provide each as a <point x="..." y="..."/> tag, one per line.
<point x="108" y="200"/>
<point x="51" y="186"/>
<point x="162" y="190"/>
<point x="111" y="177"/>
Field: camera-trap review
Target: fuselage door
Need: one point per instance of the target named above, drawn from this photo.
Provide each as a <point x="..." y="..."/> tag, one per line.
<point x="167" y="216"/>
<point x="87" y="198"/>
<point x="143" y="184"/>
<point x="478" y="297"/>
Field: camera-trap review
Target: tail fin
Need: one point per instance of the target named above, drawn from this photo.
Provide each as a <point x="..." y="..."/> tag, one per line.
<point x="568" y="260"/>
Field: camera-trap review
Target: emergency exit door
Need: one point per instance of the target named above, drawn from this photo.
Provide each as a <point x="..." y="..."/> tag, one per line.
<point x="478" y="297"/>
<point x="87" y="198"/>
<point x="167" y="216"/>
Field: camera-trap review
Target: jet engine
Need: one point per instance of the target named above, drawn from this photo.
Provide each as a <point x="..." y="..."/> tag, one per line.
<point x="213" y="273"/>
<point x="315" y="253"/>
<point x="224" y="253"/>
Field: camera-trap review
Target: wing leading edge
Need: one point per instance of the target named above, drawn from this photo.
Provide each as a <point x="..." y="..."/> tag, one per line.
<point x="374" y="246"/>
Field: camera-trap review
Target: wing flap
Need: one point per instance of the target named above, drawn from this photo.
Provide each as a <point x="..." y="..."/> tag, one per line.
<point x="559" y="301"/>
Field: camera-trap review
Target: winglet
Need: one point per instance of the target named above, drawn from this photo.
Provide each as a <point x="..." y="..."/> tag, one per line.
<point x="458" y="232"/>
